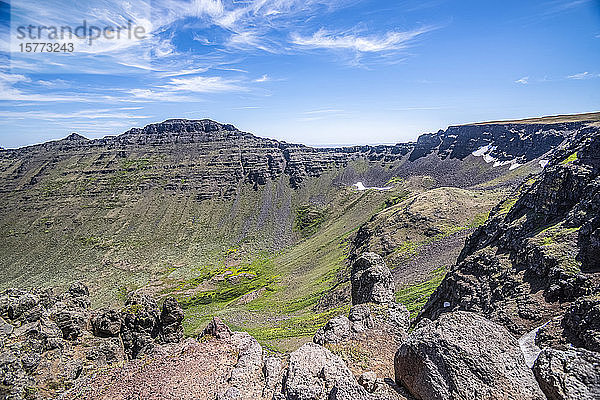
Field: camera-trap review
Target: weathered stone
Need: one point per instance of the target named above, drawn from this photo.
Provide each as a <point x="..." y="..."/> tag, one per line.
<point x="372" y="281"/>
<point x="568" y="375"/>
<point x="369" y="381"/>
<point x="141" y="324"/>
<point x="217" y="329"/>
<point x="106" y="322"/>
<point x="314" y="373"/>
<point x="335" y="331"/>
<point x="361" y="318"/>
<point x="582" y="322"/>
<point x="171" y="317"/>
<point x="70" y="319"/>
<point x="464" y="356"/>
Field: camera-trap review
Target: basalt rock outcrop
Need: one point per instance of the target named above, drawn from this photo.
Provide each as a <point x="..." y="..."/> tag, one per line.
<point x="375" y="325"/>
<point x="569" y="374"/>
<point x="464" y="356"/>
<point x="372" y="280"/>
<point x="535" y="258"/>
<point x="533" y="267"/>
<point x="49" y="341"/>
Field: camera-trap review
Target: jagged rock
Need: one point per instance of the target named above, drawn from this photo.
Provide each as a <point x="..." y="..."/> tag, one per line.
<point x="171" y="317"/>
<point x="335" y="331"/>
<point x="104" y="350"/>
<point x="78" y="295"/>
<point x="369" y="381"/>
<point x="568" y="375"/>
<point x="141" y="324"/>
<point x="44" y="335"/>
<point x="361" y="318"/>
<point x="5" y="328"/>
<point x="71" y="319"/>
<point x="372" y="280"/>
<point x="399" y="316"/>
<point x="247" y="379"/>
<point x="106" y="322"/>
<point x="272" y="370"/>
<point x="464" y="356"/>
<point x="314" y="373"/>
<point x="217" y="328"/>
<point x="582" y="322"/>
<point x="531" y="260"/>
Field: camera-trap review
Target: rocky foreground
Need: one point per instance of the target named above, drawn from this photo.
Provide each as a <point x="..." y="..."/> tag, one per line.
<point x="54" y="346"/>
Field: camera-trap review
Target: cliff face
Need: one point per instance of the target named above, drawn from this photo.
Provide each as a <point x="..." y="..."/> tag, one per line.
<point x="537" y="258"/>
<point x="507" y="142"/>
<point x="212" y="159"/>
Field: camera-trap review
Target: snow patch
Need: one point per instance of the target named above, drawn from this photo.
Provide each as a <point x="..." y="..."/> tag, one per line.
<point x="482" y="150"/>
<point x="446" y="304"/>
<point x="361" y="187"/>
<point x="543" y="163"/>
<point x="514" y="166"/>
<point x="501" y="163"/>
<point x="488" y="159"/>
<point x="528" y="347"/>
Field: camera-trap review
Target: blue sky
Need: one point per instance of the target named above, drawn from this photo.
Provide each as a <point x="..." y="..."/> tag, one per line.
<point x="313" y="72"/>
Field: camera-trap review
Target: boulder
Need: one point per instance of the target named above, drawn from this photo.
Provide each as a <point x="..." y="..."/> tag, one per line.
<point x="314" y="373"/>
<point x="335" y="331"/>
<point x="399" y="316"/>
<point x="217" y="329"/>
<point x="71" y="319"/>
<point x="171" y="317"/>
<point x="582" y="322"/>
<point x="372" y="280"/>
<point x="361" y="318"/>
<point x="272" y="370"/>
<point x="369" y="381"/>
<point x="78" y="295"/>
<point x="106" y="323"/>
<point x="247" y="376"/>
<point x="464" y="356"/>
<point x="568" y="375"/>
<point x="141" y="324"/>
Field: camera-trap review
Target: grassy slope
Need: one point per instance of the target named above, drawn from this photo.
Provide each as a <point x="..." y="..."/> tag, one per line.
<point x="236" y="258"/>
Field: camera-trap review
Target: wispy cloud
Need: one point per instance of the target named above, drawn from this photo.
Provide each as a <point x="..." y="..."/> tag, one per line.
<point x="264" y="78"/>
<point x="203" y="84"/>
<point x="83" y="114"/>
<point x="523" y="81"/>
<point x="583" y="75"/>
<point x="375" y="43"/>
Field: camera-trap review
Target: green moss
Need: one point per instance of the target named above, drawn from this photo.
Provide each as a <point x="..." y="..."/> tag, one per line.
<point x="479" y="220"/>
<point x="560" y="243"/>
<point x="508" y="204"/>
<point x="396" y="180"/>
<point x="308" y="219"/>
<point x="298" y="326"/>
<point x="407" y="249"/>
<point x="414" y="297"/>
<point x="396" y="199"/>
<point x="132" y="309"/>
<point x="570" y="159"/>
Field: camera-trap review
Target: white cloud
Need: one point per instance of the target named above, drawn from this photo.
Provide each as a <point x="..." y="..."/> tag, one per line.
<point x="12" y="78"/>
<point x="523" y="81"/>
<point x="203" y="84"/>
<point x="389" y="41"/>
<point x="83" y="114"/>
<point x="583" y="75"/>
<point x="264" y="78"/>
<point x="324" y="111"/>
